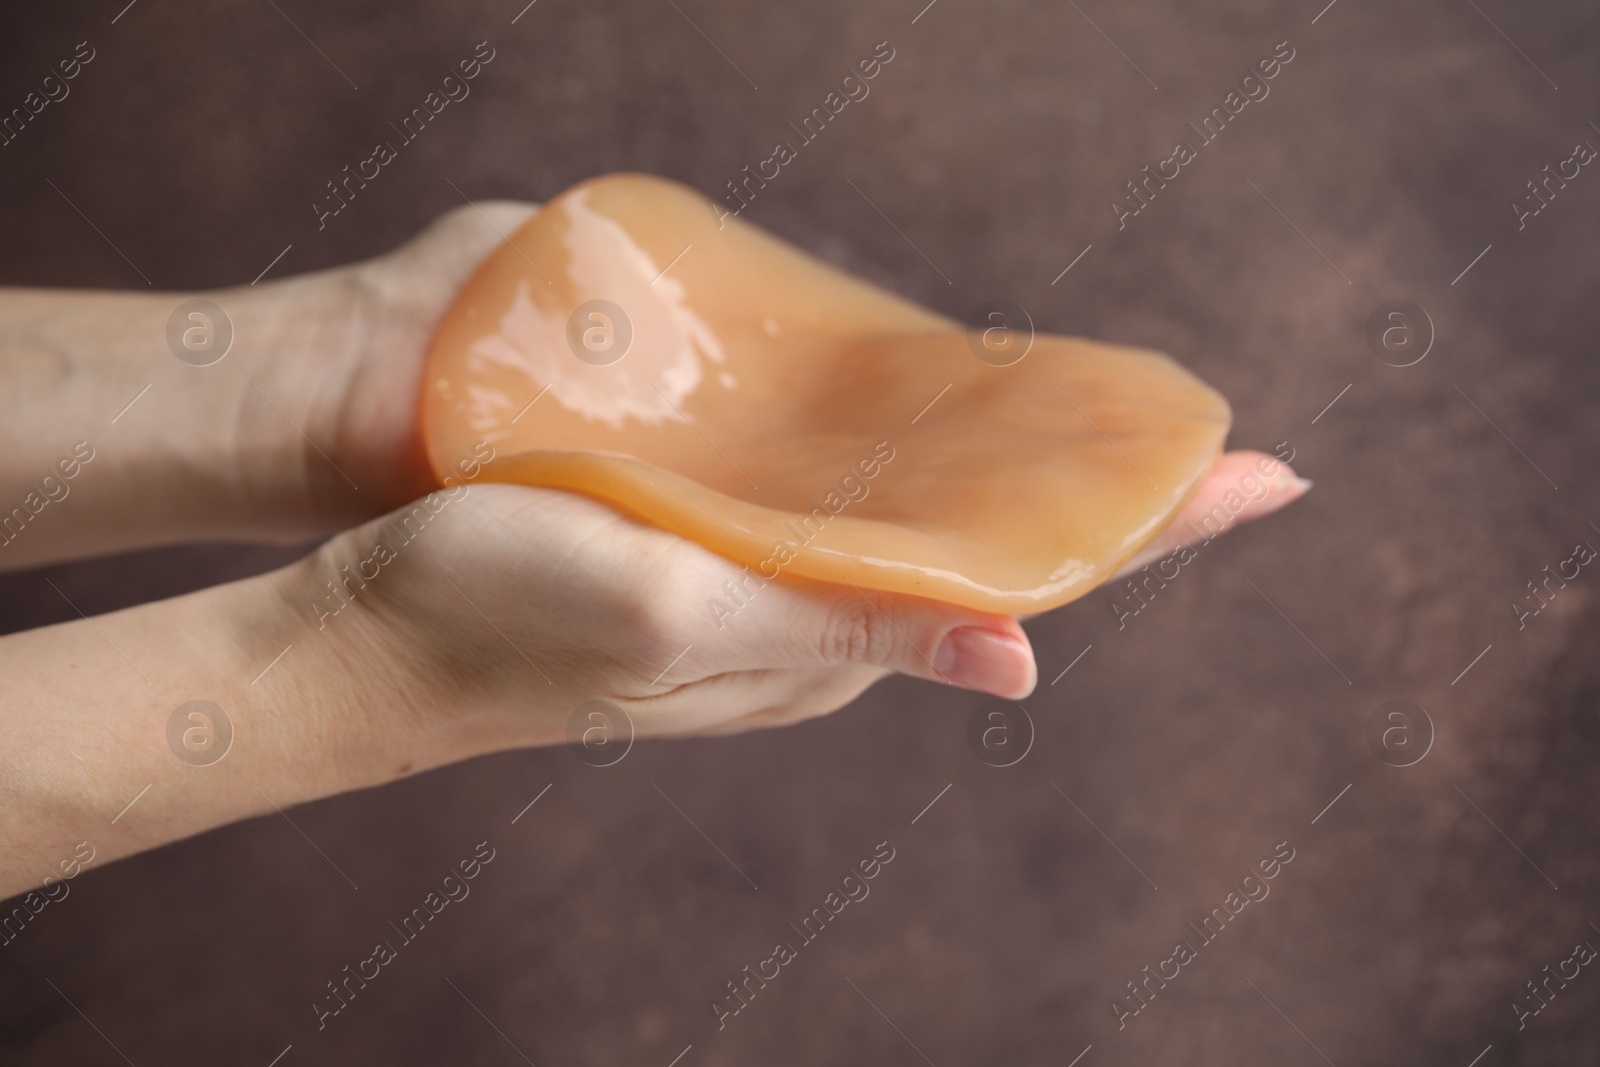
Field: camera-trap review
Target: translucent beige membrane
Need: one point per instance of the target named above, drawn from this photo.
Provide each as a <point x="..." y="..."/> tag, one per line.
<point x="801" y="421"/>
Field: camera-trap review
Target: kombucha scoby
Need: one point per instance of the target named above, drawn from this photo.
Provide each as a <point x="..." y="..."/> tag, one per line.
<point x="636" y="344"/>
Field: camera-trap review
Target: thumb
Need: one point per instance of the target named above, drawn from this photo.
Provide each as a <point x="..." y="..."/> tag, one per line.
<point x="804" y="624"/>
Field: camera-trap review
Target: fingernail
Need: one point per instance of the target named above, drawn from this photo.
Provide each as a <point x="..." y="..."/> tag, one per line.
<point x="973" y="657"/>
<point x="1285" y="491"/>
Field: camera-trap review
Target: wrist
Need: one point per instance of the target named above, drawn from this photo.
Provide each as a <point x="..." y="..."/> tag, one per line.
<point x="161" y="721"/>
<point x="345" y="353"/>
<point x="101" y="387"/>
<point x="154" y="449"/>
<point x="324" y="432"/>
<point x="381" y="711"/>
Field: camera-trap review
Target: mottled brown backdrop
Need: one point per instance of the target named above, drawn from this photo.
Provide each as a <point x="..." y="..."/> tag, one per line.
<point x="1216" y="724"/>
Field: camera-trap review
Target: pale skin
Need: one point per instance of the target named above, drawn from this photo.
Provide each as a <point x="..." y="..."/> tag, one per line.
<point x="517" y="606"/>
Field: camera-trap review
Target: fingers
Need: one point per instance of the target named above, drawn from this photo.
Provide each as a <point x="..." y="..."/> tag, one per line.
<point x="800" y="624"/>
<point x="1242" y="486"/>
<point x="796" y="624"/>
<point x="671" y="615"/>
<point x="769" y="698"/>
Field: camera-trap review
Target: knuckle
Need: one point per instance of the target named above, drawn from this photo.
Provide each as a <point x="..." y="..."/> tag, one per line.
<point x="666" y="615"/>
<point x="858" y="633"/>
<point x="658" y="621"/>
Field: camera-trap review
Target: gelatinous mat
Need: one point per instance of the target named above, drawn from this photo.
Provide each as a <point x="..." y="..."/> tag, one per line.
<point x="797" y="420"/>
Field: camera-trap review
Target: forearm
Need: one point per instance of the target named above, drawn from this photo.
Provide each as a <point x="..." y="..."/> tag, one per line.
<point x="109" y="441"/>
<point x="92" y="753"/>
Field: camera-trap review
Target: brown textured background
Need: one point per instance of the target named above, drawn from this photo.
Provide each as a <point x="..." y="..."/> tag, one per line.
<point x="1196" y="739"/>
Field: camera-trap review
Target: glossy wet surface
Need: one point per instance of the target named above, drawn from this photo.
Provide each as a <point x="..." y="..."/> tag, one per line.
<point x="1196" y="737"/>
<point x="630" y="343"/>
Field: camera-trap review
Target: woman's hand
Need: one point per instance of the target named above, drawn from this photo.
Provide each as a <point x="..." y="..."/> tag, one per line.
<point x="481" y="623"/>
<point x="347" y="348"/>
<point x="470" y="621"/>
<point x="511" y="607"/>
<point x="305" y="426"/>
<point x="506" y="609"/>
